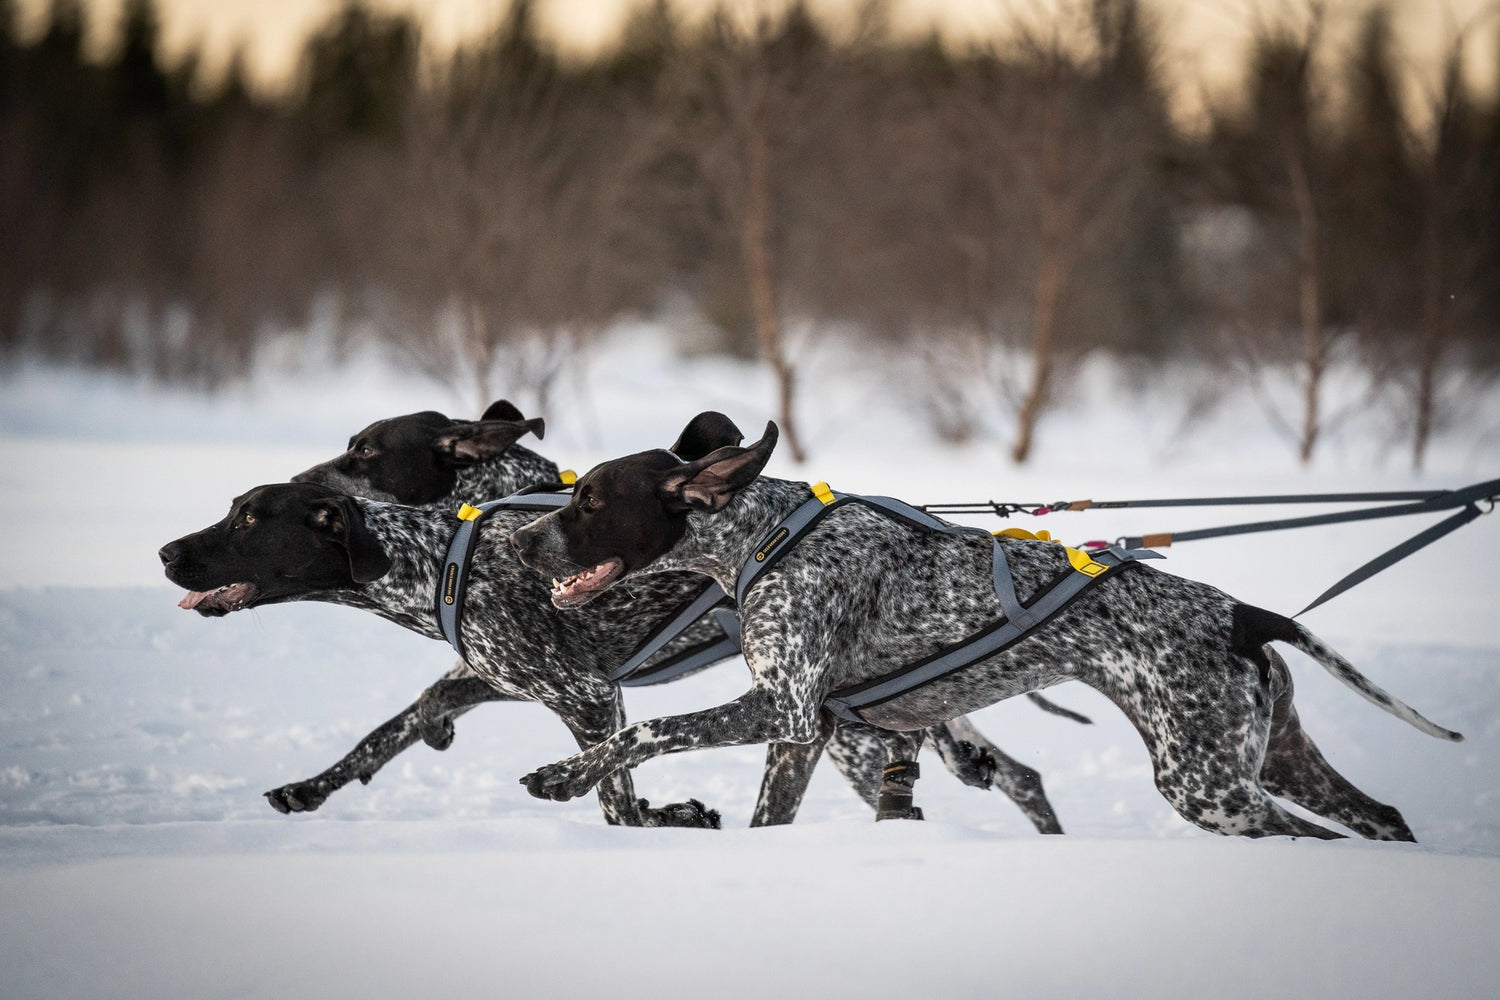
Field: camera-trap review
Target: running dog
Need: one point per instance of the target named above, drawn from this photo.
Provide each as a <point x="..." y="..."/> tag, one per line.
<point x="293" y="543"/>
<point x="863" y="595"/>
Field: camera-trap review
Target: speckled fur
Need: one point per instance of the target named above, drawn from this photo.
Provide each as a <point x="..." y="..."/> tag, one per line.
<point x="430" y="718"/>
<point x="859" y="755"/>
<point x="863" y="595"/>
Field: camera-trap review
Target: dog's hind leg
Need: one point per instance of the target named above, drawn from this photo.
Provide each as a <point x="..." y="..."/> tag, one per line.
<point x="428" y="718"/>
<point x="860" y="755"/>
<point x="1207" y="741"/>
<point x="900" y="773"/>
<point x="979" y="763"/>
<point x="1295" y="769"/>
<point x="789" y="767"/>
<point x="1210" y="798"/>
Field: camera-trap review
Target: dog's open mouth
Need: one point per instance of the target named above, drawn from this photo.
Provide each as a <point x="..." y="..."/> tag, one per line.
<point x="220" y="601"/>
<point x="583" y="586"/>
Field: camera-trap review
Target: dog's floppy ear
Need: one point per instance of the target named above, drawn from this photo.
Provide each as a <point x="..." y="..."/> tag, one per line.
<point x="708" y="431"/>
<point x="503" y="409"/>
<point x="339" y="519"/>
<point x="467" y="442"/>
<point x="709" y="483"/>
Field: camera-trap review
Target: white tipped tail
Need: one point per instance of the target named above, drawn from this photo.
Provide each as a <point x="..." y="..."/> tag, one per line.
<point x="1346" y="672"/>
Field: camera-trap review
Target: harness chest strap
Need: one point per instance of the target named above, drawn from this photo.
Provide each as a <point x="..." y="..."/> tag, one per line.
<point x="1019" y="619"/>
<point x="710" y="598"/>
<point x="453" y="584"/>
<point x="452" y="587"/>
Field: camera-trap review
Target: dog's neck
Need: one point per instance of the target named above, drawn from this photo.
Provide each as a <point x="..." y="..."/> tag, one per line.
<point x="518" y="468"/>
<point x="416" y="541"/>
<point x="719" y="544"/>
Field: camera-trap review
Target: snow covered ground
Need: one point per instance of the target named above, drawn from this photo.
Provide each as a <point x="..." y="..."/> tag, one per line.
<point x="137" y="858"/>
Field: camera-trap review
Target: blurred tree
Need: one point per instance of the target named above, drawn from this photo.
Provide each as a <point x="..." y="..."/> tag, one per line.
<point x="1054" y="181"/>
<point x="1273" y="160"/>
<point x="1455" y="210"/>
<point x="358" y="73"/>
<point x="751" y="100"/>
<point x="1374" y="208"/>
<point x="140" y="84"/>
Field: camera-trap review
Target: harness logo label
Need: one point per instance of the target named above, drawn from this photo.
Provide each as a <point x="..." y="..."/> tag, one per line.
<point x="450" y="584"/>
<point x="776" y="540"/>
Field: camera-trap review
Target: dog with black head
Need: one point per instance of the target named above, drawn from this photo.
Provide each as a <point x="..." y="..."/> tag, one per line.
<point x="863" y="595"/>
<point x="404" y="459"/>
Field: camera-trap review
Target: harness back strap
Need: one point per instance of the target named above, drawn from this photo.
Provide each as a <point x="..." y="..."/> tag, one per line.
<point x="1019" y="618"/>
<point x="847" y="702"/>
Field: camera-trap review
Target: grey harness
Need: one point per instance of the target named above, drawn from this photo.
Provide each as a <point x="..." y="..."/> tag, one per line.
<point x="1020" y="619"/>
<point x="452" y="586"/>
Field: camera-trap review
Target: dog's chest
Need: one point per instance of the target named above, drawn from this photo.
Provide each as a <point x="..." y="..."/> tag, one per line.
<point x="514" y="633"/>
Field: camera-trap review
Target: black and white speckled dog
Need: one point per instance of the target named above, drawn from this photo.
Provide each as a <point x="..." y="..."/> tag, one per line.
<point x="430" y="460"/>
<point x="862" y="595"/>
<point x="426" y="458"/>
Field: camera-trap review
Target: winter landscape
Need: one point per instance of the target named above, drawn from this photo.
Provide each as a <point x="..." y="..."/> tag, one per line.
<point x="959" y="251"/>
<point x="138" y="859"/>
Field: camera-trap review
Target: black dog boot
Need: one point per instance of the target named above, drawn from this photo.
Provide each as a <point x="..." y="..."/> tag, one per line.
<point x="895" y="791"/>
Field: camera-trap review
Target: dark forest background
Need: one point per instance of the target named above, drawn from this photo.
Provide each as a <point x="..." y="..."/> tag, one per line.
<point x="996" y="213"/>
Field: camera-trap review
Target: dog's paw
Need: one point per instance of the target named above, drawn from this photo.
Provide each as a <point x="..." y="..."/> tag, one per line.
<point x="691" y="813"/>
<point x="560" y="782"/>
<point x="438" y="733"/>
<point x="973" y="766"/>
<point x="301" y="796"/>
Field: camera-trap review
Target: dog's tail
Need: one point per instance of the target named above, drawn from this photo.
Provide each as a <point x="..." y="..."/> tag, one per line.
<point x="1254" y="627"/>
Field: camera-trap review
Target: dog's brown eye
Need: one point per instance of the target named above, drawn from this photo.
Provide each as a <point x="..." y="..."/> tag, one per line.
<point x="364" y="451"/>
<point x="590" y="502"/>
<point x="247" y="519"/>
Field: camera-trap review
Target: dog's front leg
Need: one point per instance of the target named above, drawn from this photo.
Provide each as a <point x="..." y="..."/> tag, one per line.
<point x="591" y="714"/>
<point x="761" y="715"/>
<point x="789" y="767"/>
<point x="428" y="718"/>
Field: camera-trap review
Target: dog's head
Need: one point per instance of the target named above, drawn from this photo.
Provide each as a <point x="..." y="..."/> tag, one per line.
<point x="278" y="543"/>
<point x="415" y="459"/>
<point x="629" y="512"/>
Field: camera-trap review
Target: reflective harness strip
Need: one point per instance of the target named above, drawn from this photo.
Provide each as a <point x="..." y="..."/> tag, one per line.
<point x="710" y="598"/>
<point x="1019" y="619"/>
<point x="453" y="585"/>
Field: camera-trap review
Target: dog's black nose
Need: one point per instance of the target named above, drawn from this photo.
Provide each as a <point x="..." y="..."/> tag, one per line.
<point x="170" y="553"/>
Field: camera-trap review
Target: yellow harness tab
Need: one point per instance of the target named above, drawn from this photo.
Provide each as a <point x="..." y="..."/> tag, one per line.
<point x="468" y="513"/>
<point x="1023" y="535"/>
<point x="568" y="477"/>
<point x="823" y="493"/>
<point x="1077" y="558"/>
<point x="1083" y="562"/>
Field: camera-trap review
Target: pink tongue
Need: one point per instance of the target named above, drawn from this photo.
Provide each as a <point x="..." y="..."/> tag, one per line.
<point x="226" y="597"/>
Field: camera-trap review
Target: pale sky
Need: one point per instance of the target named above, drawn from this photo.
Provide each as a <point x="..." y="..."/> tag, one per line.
<point x="1204" y="37"/>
